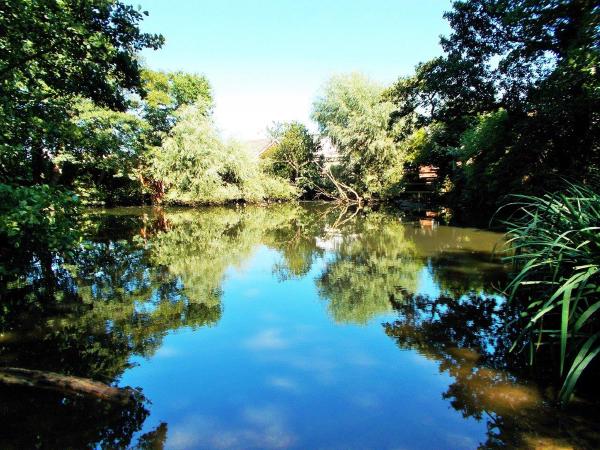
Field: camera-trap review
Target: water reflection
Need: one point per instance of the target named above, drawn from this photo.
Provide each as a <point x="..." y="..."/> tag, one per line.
<point x="370" y="263"/>
<point x="141" y="274"/>
<point x="97" y="310"/>
<point x="469" y="338"/>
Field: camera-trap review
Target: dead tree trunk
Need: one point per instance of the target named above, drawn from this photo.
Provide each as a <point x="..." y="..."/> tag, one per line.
<point x="66" y="384"/>
<point x="346" y="193"/>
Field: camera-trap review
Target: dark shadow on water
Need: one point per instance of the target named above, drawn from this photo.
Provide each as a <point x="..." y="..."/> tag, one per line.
<point x="470" y="339"/>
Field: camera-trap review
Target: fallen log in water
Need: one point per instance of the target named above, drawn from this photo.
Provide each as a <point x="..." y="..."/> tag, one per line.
<point x="65" y="384"/>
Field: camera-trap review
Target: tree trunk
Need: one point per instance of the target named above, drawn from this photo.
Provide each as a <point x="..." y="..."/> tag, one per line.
<point x="66" y="384"/>
<point x="37" y="162"/>
<point x="343" y="189"/>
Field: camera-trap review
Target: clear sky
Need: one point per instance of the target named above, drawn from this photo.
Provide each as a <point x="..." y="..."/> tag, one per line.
<point x="267" y="59"/>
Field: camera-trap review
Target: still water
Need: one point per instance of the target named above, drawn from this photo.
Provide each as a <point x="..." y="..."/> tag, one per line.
<point x="288" y="326"/>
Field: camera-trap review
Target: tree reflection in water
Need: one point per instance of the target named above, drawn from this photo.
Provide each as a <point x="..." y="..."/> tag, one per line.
<point x="470" y="338"/>
<point x="107" y="303"/>
<point x="375" y="267"/>
<point x="371" y="260"/>
<point x="140" y="274"/>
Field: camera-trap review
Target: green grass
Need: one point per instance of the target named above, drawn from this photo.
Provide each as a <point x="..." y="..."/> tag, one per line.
<point x="555" y="243"/>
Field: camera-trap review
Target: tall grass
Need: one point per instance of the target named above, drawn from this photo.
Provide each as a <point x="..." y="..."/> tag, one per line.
<point x="555" y="241"/>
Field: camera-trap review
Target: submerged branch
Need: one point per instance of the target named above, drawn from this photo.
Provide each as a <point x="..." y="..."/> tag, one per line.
<point x="66" y="384"/>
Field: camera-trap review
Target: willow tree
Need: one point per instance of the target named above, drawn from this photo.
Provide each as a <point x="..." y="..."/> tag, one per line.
<point x="353" y="113"/>
<point x="197" y="167"/>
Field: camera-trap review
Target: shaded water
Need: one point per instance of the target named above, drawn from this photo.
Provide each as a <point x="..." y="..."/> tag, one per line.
<point x="289" y="326"/>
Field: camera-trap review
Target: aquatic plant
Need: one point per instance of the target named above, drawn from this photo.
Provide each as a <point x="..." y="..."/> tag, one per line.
<point x="555" y="239"/>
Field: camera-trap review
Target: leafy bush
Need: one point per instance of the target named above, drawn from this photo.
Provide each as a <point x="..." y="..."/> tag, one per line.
<point x="33" y="220"/>
<point x="264" y="187"/>
<point x="295" y="157"/>
<point x="196" y="167"/>
<point x="556" y="243"/>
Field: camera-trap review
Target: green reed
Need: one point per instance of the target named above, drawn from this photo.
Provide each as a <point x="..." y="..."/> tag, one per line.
<point x="555" y="248"/>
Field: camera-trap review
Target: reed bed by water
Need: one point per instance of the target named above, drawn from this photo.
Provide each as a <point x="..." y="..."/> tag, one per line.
<point x="555" y="243"/>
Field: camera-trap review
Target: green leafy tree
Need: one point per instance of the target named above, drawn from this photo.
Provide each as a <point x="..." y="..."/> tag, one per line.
<point x="52" y="52"/>
<point x="546" y="56"/>
<point x="295" y="157"/>
<point x="483" y="155"/>
<point x="354" y="114"/>
<point x="196" y="167"/>
<point x="165" y="93"/>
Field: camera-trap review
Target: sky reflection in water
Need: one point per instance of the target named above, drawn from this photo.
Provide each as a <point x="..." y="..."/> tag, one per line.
<point x="287" y="366"/>
<point x="293" y="327"/>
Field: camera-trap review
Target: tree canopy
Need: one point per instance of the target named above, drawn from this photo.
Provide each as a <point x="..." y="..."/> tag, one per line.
<point x="532" y="64"/>
<point x="51" y="53"/>
<point x="295" y="157"/>
<point x="352" y="112"/>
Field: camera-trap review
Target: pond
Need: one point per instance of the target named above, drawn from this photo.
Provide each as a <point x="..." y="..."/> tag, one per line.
<point x="287" y="326"/>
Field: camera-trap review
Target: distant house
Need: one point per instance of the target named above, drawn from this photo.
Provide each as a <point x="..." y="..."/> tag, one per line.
<point x="329" y="151"/>
<point x="259" y="148"/>
<point x="428" y="174"/>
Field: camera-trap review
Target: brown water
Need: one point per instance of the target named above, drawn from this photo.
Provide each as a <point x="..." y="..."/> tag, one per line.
<point x="289" y="326"/>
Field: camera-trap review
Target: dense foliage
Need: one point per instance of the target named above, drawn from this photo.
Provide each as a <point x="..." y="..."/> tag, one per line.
<point x="513" y="103"/>
<point x="109" y="160"/>
<point x="352" y="112"/>
<point x="556" y="239"/>
<point x="51" y="53"/>
<point x="295" y="157"/>
<point x="196" y="167"/>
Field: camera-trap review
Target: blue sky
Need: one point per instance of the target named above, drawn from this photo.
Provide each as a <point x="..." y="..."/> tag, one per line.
<point x="267" y="59"/>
